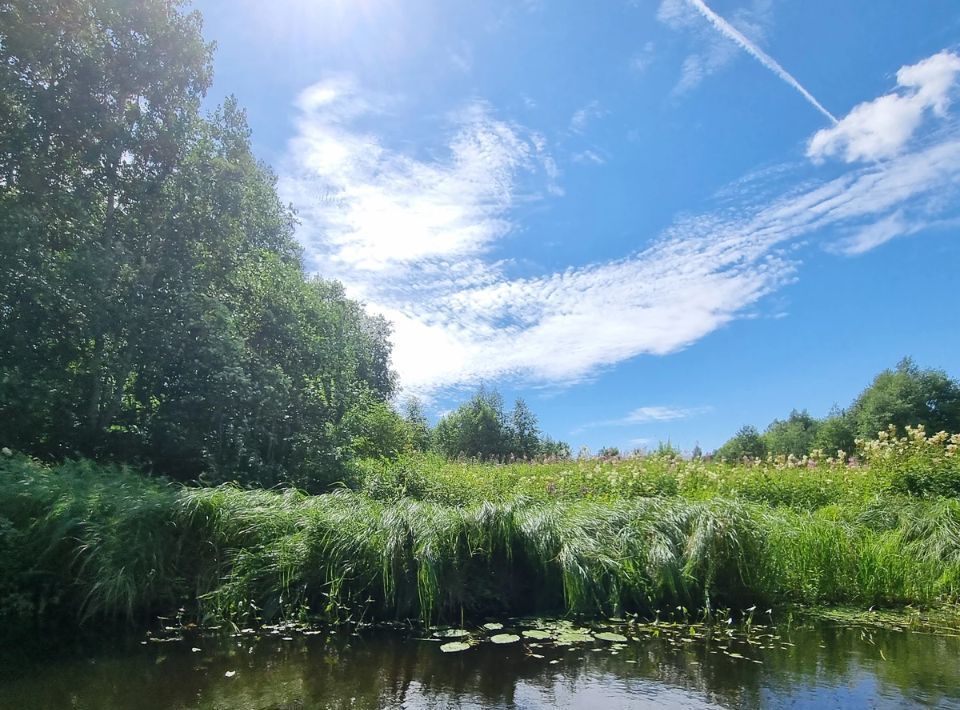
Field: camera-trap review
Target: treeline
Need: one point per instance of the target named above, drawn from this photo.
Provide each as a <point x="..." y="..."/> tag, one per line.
<point x="904" y="396"/>
<point x="154" y="307"/>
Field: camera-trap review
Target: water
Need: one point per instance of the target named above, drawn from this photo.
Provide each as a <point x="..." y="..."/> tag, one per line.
<point x="816" y="666"/>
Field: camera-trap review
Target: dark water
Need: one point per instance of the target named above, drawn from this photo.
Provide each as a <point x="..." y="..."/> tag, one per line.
<point x="820" y="666"/>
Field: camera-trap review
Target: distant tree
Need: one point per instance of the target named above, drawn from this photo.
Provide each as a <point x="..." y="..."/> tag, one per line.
<point x="835" y="433"/>
<point x="907" y="395"/>
<point x="667" y="450"/>
<point x="480" y="428"/>
<point x="608" y="452"/>
<point x="746" y="443"/>
<point x="418" y="429"/>
<point x="550" y="448"/>
<point x="525" y="430"/>
<point x="477" y="428"/>
<point x="793" y="436"/>
<point x="697" y="452"/>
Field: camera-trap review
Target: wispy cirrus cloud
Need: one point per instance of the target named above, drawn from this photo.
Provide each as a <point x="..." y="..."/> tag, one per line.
<point x="585" y="114"/>
<point x="646" y="415"/>
<point x="413" y="235"/>
<point x="365" y="207"/>
<point x="715" y="51"/>
<point x="589" y="156"/>
<point x="642" y="60"/>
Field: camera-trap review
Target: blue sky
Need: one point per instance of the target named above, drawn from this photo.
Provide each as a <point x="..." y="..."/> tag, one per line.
<point x="657" y="219"/>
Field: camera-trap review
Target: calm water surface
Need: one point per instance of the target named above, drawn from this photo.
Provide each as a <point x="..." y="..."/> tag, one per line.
<point x="820" y="666"/>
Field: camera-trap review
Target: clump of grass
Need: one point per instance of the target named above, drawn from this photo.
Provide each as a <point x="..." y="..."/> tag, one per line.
<point x="94" y="540"/>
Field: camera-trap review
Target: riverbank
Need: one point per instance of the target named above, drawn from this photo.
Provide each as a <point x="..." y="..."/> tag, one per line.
<point x="439" y="542"/>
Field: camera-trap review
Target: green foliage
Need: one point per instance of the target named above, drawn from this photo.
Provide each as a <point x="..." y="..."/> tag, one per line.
<point x="153" y="305"/>
<point x="908" y="396"/>
<point x="835" y="433"/>
<point x="481" y="429"/>
<point x="902" y="397"/>
<point x="916" y="464"/>
<point x="426" y="537"/>
<point x="794" y="436"/>
<point x="375" y="429"/>
<point x="746" y="444"/>
<point x="418" y="429"/>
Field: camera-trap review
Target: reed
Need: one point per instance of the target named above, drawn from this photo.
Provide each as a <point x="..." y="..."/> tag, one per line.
<point x="82" y="541"/>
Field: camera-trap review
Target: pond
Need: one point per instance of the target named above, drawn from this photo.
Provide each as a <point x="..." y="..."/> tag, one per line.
<point x="821" y="665"/>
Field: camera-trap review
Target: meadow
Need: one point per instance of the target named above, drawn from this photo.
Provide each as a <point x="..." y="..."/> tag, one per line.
<point x="423" y="538"/>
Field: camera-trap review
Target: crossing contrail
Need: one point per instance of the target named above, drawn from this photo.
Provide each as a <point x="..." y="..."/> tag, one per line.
<point x="731" y="32"/>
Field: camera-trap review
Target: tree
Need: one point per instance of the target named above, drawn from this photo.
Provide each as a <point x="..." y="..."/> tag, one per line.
<point x="476" y="428"/>
<point x="153" y="302"/>
<point x="525" y="430"/>
<point x="479" y="428"/>
<point x="746" y="443"/>
<point x="835" y="433"/>
<point x="793" y="436"/>
<point x="553" y="449"/>
<point x="97" y="100"/>
<point x="907" y="396"/>
<point x="418" y="429"/>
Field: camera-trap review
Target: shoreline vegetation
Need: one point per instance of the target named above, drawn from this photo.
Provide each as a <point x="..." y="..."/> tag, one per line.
<point x="422" y="538"/>
<point x="200" y="426"/>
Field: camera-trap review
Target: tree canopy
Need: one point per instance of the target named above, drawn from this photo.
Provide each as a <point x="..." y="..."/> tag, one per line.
<point x="480" y="428"/>
<point x="906" y="395"/>
<point x="153" y="301"/>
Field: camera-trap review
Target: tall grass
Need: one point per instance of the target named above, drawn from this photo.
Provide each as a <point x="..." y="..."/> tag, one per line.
<point x="450" y="541"/>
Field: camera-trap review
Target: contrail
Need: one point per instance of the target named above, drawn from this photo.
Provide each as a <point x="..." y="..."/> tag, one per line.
<point x="765" y="59"/>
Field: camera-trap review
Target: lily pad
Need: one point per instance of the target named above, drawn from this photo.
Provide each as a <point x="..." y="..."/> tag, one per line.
<point x="493" y="626"/>
<point x="568" y="637"/>
<point x="536" y="634"/>
<point x="454" y="647"/>
<point x="612" y="637"/>
<point x="505" y="638"/>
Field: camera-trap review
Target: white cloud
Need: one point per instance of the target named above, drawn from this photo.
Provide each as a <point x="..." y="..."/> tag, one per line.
<point x="646" y="415"/>
<point x="589" y="156"/>
<point x="663" y="414"/>
<point x="873" y="235"/>
<point x="641" y="61"/>
<point x="412" y="237"/>
<point x="715" y="51"/>
<point x="881" y="128"/>
<point x="583" y="115"/>
<point x="366" y="207"/>
<point x="462" y="58"/>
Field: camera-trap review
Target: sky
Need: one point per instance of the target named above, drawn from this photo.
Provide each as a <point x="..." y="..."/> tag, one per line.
<point x="654" y="220"/>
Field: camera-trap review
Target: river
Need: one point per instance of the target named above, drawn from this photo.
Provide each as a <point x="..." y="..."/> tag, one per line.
<point x="814" y="665"/>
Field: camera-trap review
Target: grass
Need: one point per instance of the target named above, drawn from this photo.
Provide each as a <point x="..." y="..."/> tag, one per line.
<point x="424" y="538"/>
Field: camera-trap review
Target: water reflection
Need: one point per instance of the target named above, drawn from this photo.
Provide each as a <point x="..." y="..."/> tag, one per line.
<point x="821" y="666"/>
